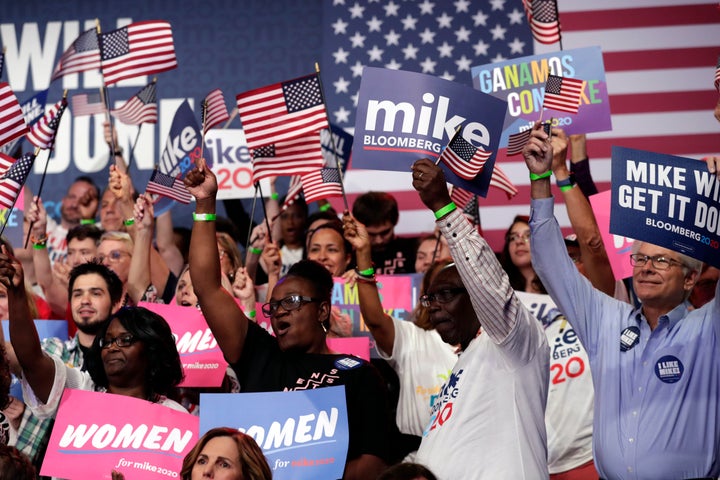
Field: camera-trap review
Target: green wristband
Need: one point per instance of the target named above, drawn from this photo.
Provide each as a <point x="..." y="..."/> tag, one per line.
<point x="274" y="195"/>
<point x="129" y="222"/>
<point x="255" y="251"/>
<point x="566" y="188"/>
<point x="39" y="246"/>
<point x="251" y="314"/>
<point x="535" y="176"/>
<point x="445" y="210"/>
<point x="325" y="207"/>
<point x="367" y="272"/>
<point x="204" y="217"/>
<point x="87" y="221"/>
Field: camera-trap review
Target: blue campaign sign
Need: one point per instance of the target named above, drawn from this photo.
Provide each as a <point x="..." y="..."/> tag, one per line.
<point x="404" y="116"/>
<point x="304" y="433"/>
<point x="521" y="81"/>
<point x="336" y="147"/>
<point x="666" y="200"/>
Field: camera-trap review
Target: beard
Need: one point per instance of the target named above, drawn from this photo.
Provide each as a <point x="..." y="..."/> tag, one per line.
<point x="91" y="328"/>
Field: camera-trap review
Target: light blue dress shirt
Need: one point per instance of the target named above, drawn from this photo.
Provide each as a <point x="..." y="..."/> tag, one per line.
<point x="657" y="393"/>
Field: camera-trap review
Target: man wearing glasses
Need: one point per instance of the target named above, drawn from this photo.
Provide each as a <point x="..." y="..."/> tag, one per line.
<point x="656" y="368"/>
<point x="488" y="421"/>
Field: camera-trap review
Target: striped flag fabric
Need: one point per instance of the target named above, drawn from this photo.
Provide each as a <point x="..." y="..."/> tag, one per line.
<point x="464" y="159"/>
<point x="294" y="190"/>
<point x="717" y="76"/>
<point x="141" y="48"/>
<point x="500" y="180"/>
<point x="82" y="55"/>
<point x="282" y="111"/>
<point x="563" y="93"/>
<point x="215" y="111"/>
<point x="87" y="104"/>
<point x="6" y="161"/>
<point x="13" y="180"/>
<point x="321" y="184"/>
<point x="461" y="197"/>
<point x="12" y="121"/>
<point x="140" y="108"/>
<point x="517" y="141"/>
<point x="42" y="134"/>
<point x="168" y="186"/>
<point x="293" y="157"/>
<point x="544" y="21"/>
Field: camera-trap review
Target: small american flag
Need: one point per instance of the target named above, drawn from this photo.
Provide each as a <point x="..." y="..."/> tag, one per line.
<point x="461" y="197"/>
<point x="500" y="180"/>
<point x="87" y="104"/>
<point x="544" y="22"/>
<point x="141" y="48"/>
<point x="563" y="93"/>
<point x="12" y="122"/>
<point x="6" y="161"/>
<point x="717" y="76"/>
<point x="294" y="191"/>
<point x="140" y="108"/>
<point x="293" y="157"/>
<point x="465" y="160"/>
<point x="215" y="111"/>
<point x="82" y="55"/>
<point x="517" y="141"/>
<point x="42" y="134"/>
<point x="167" y="186"/>
<point x="282" y="111"/>
<point x="320" y="184"/>
<point x="13" y="180"/>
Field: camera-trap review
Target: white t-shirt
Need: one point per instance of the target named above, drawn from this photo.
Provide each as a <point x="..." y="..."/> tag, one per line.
<point x="488" y="413"/>
<point x="289" y="257"/>
<point x="69" y="377"/>
<point x="423" y="362"/>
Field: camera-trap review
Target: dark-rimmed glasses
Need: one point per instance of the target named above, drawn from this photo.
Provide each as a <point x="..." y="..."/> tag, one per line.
<point x="291" y="302"/>
<point x="660" y="262"/>
<point x="441" y="296"/>
<point x="124" y="340"/>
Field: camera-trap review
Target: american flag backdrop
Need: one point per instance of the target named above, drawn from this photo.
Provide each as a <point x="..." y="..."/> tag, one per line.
<point x="659" y="56"/>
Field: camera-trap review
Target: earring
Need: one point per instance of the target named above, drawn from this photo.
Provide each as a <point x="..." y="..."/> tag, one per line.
<point x="322" y="324"/>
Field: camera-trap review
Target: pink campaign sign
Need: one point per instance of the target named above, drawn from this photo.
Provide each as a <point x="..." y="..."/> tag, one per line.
<point x="395" y="292"/>
<point x="96" y="433"/>
<point x="617" y="247"/>
<point x="202" y="359"/>
<point x="358" y="346"/>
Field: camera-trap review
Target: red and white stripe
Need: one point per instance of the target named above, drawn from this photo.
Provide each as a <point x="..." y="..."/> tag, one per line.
<point x="660" y="60"/>
<point x="216" y="111"/>
<point x="12" y="122"/>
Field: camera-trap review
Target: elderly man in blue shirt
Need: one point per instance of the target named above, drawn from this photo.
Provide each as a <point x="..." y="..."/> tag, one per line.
<point x="656" y="368"/>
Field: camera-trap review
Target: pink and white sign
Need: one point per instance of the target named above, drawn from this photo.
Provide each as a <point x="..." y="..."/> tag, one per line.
<point x="358" y="346"/>
<point x="618" y="248"/>
<point x="202" y="359"/>
<point x="96" y="433"/>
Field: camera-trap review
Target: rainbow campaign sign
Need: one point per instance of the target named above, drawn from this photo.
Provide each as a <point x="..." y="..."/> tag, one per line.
<point x="521" y="82"/>
<point x="673" y="202"/>
<point x="404" y="116"/>
<point x="95" y="433"/>
<point x="304" y="433"/>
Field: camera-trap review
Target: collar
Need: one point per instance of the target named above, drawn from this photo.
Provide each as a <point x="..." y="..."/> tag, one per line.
<point x="670" y="319"/>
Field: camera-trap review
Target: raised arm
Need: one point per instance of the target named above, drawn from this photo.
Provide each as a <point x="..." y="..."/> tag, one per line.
<point x="56" y="292"/>
<point x="166" y="246"/>
<point x="582" y="218"/>
<point x="380" y="324"/>
<point x="225" y="318"/>
<point x="38" y="369"/>
<point x="139" y="273"/>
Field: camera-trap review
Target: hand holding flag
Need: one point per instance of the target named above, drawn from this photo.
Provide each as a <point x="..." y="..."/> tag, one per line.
<point x="214" y="110"/>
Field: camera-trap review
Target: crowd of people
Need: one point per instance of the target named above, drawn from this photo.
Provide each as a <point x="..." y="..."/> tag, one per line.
<point x="473" y="385"/>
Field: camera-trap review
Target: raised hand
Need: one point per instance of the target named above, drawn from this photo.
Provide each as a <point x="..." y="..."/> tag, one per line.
<point x="61" y="273"/>
<point x="270" y="259"/>
<point x="538" y="152"/>
<point x="120" y="184"/>
<point x="88" y="203"/>
<point x="11" y="272"/>
<point x="355" y="232"/>
<point x="713" y="164"/>
<point x="559" y="142"/>
<point x="201" y="182"/>
<point x="37" y="216"/>
<point x="429" y="181"/>
<point x="243" y="287"/>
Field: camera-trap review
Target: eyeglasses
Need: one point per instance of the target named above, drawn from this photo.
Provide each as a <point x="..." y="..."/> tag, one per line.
<point x="291" y="302"/>
<point x="658" y="261"/>
<point x="514" y="237"/>
<point x="113" y="257"/>
<point x="124" y="340"/>
<point x="441" y="296"/>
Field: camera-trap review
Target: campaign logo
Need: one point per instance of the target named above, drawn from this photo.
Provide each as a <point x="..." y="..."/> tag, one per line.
<point x="347" y="363"/>
<point x="629" y="338"/>
<point x="669" y="369"/>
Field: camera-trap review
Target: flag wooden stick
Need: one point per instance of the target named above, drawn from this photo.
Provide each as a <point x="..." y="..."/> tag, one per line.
<point x="105" y="95"/>
<point x="557" y="17"/>
<point x="332" y="139"/>
<point x="252" y="215"/>
<point x="267" y="222"/>
<point x="233" y="114"/>
<point x="203" y="116"/>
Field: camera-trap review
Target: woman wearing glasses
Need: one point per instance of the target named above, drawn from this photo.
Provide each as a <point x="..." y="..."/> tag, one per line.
<point x="297" y="357"/>
<point x="133" y="354"/>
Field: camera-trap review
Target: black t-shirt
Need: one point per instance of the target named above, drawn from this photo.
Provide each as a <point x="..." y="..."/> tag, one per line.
<point x="263" y="367"/>
<point x="397" y="257"/>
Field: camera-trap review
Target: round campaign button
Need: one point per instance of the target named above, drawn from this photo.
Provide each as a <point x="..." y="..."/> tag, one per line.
<point x="629" y="338"/>
<point x="669" y="369"/>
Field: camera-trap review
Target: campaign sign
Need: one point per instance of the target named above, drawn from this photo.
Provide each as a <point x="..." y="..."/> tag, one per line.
<point x="404" y="116"/>
<point x="336" y="147"/>
<point x="666" y="200"/>
<point x="304" y="433"/>
<point x="539" y="305"/>
<point x="617" y="247"/>
<point x="358" y="346"/>
<point x="226" y="150"/>
<point x="397" y="292"/>
<point x="202" y="360"/>
<point x="96" y="433"/>
<point x="521" y="82"/>
<point x="13" y="221"/>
